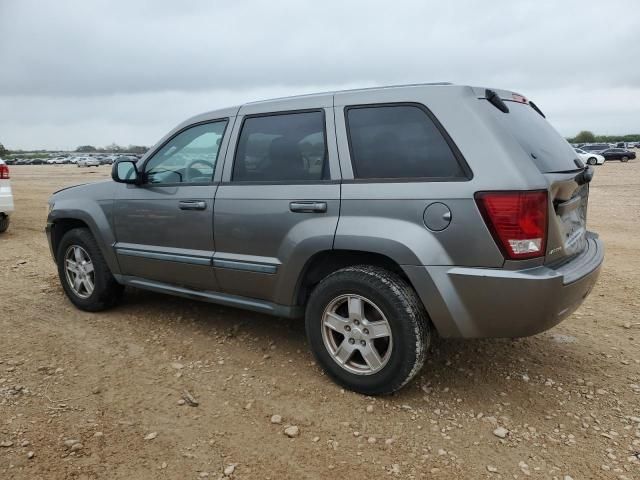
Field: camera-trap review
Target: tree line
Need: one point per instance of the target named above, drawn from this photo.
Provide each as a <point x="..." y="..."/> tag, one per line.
<point x="112" y="148"/>
<point x="138" y="149"/>
<point x="585" y="136"/>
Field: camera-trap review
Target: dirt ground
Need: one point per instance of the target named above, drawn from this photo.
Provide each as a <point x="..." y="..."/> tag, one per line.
<point x="88" y="396"/>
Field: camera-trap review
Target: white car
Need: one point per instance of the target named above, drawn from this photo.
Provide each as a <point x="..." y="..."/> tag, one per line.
<point x="590" y="158"/>
<point x="56" y="161"/>
<point x="88" y="162"/>
<point x="6" y="197"/>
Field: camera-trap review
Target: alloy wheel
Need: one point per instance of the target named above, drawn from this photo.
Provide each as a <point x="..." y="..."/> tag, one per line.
<point x="79" y="271"/>
<point x="356" y="334"/>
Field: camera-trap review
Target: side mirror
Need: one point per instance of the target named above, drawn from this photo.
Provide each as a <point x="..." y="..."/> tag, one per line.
<point x="125" y="171"/>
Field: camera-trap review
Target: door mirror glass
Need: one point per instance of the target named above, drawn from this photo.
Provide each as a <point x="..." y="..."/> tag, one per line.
<point x="124" y="171"/>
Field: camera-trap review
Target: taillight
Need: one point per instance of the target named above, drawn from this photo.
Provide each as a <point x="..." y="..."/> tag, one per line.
<point x="4" y="172"/>
<point x="517" y="221"/>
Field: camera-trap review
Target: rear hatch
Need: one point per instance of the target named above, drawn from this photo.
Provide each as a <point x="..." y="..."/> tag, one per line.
<point x="559" y="164"/>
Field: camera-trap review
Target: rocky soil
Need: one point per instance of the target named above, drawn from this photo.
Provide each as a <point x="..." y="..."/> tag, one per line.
<point x="164" y="387"/>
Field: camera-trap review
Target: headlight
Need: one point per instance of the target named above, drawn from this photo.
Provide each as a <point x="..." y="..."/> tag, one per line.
<point x="50" y="207"/>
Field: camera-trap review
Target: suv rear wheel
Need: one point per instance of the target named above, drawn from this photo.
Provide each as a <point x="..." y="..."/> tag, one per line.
<point x="84" y="274"/>
<point x="368" y="329"/>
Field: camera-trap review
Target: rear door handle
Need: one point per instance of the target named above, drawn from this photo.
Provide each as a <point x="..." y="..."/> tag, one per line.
<point x="192" y="205"/>
<point x="308" y="207"/>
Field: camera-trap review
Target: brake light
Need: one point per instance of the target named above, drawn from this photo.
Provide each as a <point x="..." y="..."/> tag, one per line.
<point x="516" y="97"/>
<point x="517" y="221"/>
<point x="4" y="172"/>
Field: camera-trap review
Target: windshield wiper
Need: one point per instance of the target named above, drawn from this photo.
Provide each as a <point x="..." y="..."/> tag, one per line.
<point x="535" y="107"/>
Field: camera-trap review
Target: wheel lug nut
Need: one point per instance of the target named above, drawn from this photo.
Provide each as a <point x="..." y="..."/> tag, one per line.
<point x="347" y="328"/>
<point x="356" y="322"/>
<point x="352" y="341"/>
<point x="366" y="331"/>
<point x="363" y="343"/>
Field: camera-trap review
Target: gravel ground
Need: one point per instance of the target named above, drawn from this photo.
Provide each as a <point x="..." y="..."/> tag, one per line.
<point x="163" y="387"/>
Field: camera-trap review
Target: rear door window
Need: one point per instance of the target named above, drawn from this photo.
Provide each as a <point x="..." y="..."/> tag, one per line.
<point x="399" y="142"/>
<point x="287" y="147"/>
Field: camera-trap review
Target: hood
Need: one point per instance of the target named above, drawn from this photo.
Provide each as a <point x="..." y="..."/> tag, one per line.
<point x="96" y="190"/>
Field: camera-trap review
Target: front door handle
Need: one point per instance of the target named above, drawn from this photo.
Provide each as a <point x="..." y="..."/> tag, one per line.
<point x="308" y="207"/>
<point x="192" y="205"/>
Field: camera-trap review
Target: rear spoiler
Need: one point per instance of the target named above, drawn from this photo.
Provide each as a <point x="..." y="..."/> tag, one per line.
<point x="498" y="97"/>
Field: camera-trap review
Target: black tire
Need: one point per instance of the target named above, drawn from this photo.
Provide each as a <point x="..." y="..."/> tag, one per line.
<point x="405" y="314"/>
<point x="592" y="161"/>
<point x="106" y="292"/>
<point x="624" y="159"/>
<point x="4" y="223"/>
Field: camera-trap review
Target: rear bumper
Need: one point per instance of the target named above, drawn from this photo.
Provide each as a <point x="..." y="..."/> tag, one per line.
<point x="6" y="200"/>
<point x="478" y="302"/>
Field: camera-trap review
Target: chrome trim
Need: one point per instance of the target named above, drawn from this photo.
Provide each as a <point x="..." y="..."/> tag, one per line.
<point x="206" y="261"/>
<point x="245" y="266"/>
<point x="171" y="257"/>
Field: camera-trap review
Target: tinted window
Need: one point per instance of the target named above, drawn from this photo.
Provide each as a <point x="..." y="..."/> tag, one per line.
<point x="286" y="147"/>
<point x="398" y="142"/>
<point x="189" y="157"/>
<point x="548" y="150"/>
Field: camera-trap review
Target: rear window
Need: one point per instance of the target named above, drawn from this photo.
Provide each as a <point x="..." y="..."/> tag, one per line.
<point x="398" y="141"/>
<point x="545" y="146"/>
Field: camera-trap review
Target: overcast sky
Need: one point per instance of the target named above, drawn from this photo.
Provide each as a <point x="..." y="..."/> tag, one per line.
<point x="127" y="71"/>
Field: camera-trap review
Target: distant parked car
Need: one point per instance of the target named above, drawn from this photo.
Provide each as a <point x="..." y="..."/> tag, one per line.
<point x="108" y="160"/>
<point x="621" y="154"/>
<point x="620" y="145"/>
<point x="88" y="162"/>
<point x="6" y="197"/>
<point x="56" y="161"/>
<point x="590" y="158"/>
<point x="595" y="147"/>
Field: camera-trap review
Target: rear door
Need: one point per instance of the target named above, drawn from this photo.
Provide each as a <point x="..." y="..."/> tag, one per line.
<point x="279" y="200"/>
<point x="164" y="227"/>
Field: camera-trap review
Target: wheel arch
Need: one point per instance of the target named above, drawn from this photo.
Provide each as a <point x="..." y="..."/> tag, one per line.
<point x="326" y="262"/>
<point x="62" y="221"/>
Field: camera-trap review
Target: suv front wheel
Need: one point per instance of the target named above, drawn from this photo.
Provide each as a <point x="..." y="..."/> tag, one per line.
<point x="368" y="329"/>
<point x="84" y="274"/>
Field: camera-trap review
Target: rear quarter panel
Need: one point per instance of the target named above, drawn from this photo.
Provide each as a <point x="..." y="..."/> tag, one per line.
<point x="387" y="216"/>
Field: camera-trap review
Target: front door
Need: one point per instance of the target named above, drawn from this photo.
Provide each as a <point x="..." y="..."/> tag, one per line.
<point x="279" y="200"/>
<point x="164" y="227"/>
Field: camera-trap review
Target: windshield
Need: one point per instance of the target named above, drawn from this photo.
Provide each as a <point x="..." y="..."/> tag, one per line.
<point x="545" y="146"/>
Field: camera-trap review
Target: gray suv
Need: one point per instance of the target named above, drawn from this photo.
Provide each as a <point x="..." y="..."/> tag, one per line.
<point x="382" y="216"/>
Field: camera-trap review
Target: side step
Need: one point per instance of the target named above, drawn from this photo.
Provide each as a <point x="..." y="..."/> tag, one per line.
<point x="252" y="304"/>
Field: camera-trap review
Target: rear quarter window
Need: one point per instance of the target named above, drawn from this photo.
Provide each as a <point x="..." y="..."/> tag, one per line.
<point x="399" y="142"/>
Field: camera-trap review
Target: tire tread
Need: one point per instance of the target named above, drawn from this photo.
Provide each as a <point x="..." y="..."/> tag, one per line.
<point x="405" y="298"/>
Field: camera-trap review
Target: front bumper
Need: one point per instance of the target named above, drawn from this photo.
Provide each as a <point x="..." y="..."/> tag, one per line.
<point x="49" y="231"/>
<point x="477" y="302"/>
